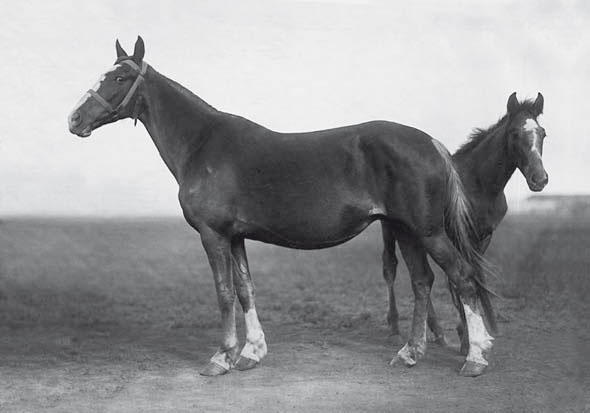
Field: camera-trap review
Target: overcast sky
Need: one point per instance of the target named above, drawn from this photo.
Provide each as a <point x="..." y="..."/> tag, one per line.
<point x="444" y="67"/>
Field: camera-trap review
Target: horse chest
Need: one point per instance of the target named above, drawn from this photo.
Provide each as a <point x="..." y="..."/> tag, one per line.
<point x="490" y="212"/>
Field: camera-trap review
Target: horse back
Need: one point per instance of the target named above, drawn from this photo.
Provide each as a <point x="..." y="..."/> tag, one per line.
<point x="334" y="181"/>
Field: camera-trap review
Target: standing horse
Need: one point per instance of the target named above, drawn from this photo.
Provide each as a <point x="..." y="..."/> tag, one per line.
<point x="313" y="190"/>
<point x="485" y="164"/>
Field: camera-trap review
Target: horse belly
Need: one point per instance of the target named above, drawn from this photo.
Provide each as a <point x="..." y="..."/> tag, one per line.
<point x="312" y="225"/>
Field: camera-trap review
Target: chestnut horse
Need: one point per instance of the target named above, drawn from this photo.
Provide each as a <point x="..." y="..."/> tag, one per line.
<point x="239" y="180"/>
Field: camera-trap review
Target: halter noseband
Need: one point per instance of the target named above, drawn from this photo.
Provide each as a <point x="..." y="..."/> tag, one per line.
<point x="114" y="111"/>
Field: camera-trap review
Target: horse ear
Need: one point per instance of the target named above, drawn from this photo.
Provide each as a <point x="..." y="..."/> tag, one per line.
<point x="139" y="50"/>
<point x="538" y="105"/>
<point x="512" y="104"/>
<point x="120" y="51"/>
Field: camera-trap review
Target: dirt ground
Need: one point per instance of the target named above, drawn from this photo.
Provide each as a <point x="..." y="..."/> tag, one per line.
<point x="119" y="315"/>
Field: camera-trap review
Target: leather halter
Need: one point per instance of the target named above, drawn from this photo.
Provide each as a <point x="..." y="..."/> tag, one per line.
<point x="130" y="93"/>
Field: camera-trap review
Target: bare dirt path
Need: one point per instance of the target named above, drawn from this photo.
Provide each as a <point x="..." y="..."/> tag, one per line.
<point x="120" y="316"/>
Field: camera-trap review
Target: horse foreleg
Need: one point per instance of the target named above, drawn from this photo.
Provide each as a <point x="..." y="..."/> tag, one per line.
<point x="422" y="279"/>
<point x="459" y="272"/>
<point x="389" y="274"/>
<point x="255" y="348"/>
<point x="218" y="251"/>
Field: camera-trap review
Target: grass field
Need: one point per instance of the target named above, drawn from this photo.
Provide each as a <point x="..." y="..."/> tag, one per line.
<point x="119" y="315"/>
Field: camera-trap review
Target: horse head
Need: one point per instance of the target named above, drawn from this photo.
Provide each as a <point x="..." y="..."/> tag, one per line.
<point x="114" y="96"/>
<point x="525" y="140"/>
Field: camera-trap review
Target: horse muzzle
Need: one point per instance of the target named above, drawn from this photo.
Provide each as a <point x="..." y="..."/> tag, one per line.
<point x="538" y="181"/>
<point x="76" y="125"/>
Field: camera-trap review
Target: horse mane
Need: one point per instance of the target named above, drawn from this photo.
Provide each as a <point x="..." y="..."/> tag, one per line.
<point x="191" y="97"/>
<point x="187" y="93"/>
<point x="479" y="134"/>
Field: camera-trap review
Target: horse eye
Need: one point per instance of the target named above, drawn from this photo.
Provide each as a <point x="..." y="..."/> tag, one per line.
<point x="119" y="79"/>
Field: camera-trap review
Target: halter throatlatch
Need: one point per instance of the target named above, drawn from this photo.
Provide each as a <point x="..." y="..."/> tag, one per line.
<point x="115" y="111"/>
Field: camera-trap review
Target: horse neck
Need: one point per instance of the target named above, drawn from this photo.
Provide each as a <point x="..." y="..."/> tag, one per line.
<point x="487" y="166"/>
<point x="175" y="118"/>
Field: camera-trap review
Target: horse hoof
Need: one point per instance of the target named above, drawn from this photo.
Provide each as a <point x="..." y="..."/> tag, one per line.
<point x="245" y="363"/>
<point x="396" y="340"/>
<point x="406" y="361"/>
<point x="213" y="369"/>
<point x="472" y="369"/>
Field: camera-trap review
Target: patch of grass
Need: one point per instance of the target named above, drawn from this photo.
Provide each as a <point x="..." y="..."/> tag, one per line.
<point x="154" y="272"/>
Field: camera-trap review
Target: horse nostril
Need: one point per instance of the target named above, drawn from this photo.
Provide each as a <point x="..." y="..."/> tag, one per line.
<point x="540" y="179"/>
<point x="75" y="119"/>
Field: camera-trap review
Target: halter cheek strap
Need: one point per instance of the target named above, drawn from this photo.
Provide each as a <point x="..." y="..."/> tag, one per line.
<point x="109" y="108"/>
<point x="100" y="100"/>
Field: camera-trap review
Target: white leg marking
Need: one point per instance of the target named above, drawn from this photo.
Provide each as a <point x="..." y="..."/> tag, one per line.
<point x="479" y="339"/>
<point x="255" y="347"/>
<point x="405" y="354"/>
<point x="221" y="359"/>
<point x="231" y="341"/>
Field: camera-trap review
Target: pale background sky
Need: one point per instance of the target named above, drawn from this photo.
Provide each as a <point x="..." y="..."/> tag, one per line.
<point x="442" y="66"/>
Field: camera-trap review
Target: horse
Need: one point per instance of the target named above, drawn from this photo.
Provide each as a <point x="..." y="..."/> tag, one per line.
<point x="239" y="180"/>
<point x="485" y="164"/>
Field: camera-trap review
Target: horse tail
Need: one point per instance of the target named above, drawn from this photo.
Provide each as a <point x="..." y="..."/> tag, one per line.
<point x="462" y="231"/>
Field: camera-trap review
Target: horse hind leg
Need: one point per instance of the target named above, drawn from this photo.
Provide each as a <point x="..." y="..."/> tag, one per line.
<point x="255" y="348"/>
<point x="464" y="350"/>
<point x="422" y="279"/>
<point x="389" y="274"/>
<point x="459" y="273"/>
<point x="433" y="323"/>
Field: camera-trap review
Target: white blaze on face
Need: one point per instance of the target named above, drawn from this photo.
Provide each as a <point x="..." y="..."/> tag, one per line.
<point x="255" y="347"/>
<point x="96" y="86"/>
<point x="479" y="339"/>
<point x="531" y="126"/>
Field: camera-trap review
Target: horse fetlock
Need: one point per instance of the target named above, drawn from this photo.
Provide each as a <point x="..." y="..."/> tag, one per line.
<point x="221" y="362"/>
<point x="409" y="355"/>
<point x="420" y="348"/>
<point x="226" y="358"/>
<point x="255" y="348"/>
<point x="252" y="353"/>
